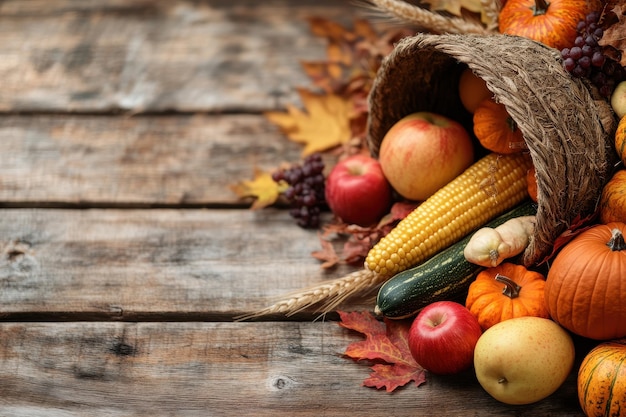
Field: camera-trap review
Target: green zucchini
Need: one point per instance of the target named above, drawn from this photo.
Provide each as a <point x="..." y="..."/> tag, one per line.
<point x="444" y="276"/>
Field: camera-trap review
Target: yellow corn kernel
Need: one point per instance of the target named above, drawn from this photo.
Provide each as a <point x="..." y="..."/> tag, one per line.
<point x="488" y="188"/>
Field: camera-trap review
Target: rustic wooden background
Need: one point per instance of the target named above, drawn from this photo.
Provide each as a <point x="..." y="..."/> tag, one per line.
<point x="124" y="256"/>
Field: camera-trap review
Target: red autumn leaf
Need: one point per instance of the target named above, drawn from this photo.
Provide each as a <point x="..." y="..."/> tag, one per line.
<point x="579" y="225"/>
<point x="386" y="344"/>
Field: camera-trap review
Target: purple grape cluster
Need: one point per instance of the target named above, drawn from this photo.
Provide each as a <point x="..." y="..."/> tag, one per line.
<point x="306" y="190"/>
<point x="585" y="57"/>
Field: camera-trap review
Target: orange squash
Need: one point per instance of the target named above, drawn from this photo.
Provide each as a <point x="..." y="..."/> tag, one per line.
<point x="601" y="376"/>
<point x="585" y="290"/>
<point x="496" y="130"/>
<point x="613" y="199"/>
<point x="505" y="292"/>
<point x="620" y="139"/>
<point x="552" y="22"/>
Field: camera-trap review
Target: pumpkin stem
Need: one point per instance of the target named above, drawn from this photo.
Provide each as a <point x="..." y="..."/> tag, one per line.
<point x="511" y="289"/>
<point x="617" y="242"/>
<point x="540" y="7"/>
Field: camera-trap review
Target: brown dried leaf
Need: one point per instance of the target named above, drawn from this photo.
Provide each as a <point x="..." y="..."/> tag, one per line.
<point x="615" y="35"/>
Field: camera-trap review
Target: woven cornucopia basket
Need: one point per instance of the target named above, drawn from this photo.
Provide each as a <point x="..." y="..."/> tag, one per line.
<point x="567" y="129"/>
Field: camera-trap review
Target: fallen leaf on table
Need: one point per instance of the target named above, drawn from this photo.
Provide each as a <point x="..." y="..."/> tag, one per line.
<point x="324" y="125"/>
<point x="615" y="35"/>
<point x="263" y="188"/>
<point x="328" y="254"/>
<point x="386" y="343"/>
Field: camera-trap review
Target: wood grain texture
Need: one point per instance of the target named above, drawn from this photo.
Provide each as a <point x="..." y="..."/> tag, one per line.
<point x="220" y="369"/>
<point x="144" y="161"/>
<point x="151" y="55"/>
<point x="151" y="264"/>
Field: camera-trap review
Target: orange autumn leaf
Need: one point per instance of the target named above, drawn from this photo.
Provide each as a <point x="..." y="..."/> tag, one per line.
<point x="324" y="125"/>
<point x="386" y="344"/>
<point x="263" y="188"/>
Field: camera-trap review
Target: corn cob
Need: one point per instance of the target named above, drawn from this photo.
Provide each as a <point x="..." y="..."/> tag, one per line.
<point x="488" y="188"/>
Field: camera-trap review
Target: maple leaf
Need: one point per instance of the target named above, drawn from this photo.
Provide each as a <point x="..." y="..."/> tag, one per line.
<point x="324" y="125"/>
<point x="615" y="35"/>
<point x="263" y="188"/>
<point x="386" y="343"/>
<point x="328" y="254"/>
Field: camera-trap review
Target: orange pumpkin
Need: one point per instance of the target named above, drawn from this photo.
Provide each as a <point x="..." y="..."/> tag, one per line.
<point x="613" y="199"/>
<point x="505" y="292"/>
<point x="552" y="23"/>
<point x="496" y="130"/>
<point x="620" y="139"/>
<point x="601" y="376"/>
<point x="585" y="290"/>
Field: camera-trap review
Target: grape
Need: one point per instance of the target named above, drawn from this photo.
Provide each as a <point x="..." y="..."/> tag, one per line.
<point x="585" y="59"/>
<point x="306" y="190"/>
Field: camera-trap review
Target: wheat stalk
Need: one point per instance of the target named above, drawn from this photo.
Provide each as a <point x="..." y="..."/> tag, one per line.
<point x="428" y="20"/>
<point x="327" y="295"/>
<point x="491" y="11"/>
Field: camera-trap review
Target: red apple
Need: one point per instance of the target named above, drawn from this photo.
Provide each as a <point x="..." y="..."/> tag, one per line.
<point x="357" y="190"/>
<point x="442" y="337"/>
<point x="424" y="151"/>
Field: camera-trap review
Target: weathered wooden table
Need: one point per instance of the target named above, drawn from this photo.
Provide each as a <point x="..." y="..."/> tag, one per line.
<point x="125" y="255"/>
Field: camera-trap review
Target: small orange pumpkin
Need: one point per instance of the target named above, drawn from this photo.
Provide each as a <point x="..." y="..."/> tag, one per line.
<point x="585" y="290"/>
<point x="552" y="23"/>
<point x="613" y="199"/>
<point x="505" y="292"/>
<point x="620" y="139"/>
<point x="496" y="130"/>
<point x="601" y="376"/>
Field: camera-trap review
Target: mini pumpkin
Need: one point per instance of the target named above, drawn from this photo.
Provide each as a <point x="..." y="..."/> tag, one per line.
<point x="613" y="199"/>
<point x="585" y="290"/>
<point x="601" y="376"/>
<point x="504" y="292"/>
<point x="496" y="130"/>
<point x="552" y="23"/>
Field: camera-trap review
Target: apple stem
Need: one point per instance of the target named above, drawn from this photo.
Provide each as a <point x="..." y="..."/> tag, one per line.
<point x="502" y="380"/>
<point x="511" y="289"/>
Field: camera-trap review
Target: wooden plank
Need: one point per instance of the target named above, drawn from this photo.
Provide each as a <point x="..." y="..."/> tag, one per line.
<point x="152" y="55"/>
<point x="220" y="369"/>
<point x="151" y="264"/>
<point x="135" y="161"/>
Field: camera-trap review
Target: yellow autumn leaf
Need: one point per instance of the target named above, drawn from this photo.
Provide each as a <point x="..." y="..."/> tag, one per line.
<point x="263" y="188"/>
<point x="324" y="125"/>
<point x="454" y="6"/>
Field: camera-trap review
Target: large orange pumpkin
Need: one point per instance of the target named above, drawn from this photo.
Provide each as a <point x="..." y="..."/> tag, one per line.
<point x="552" y="23"/>
<point x="601" y="376"/>
<point x="585" y="290"/>
<point x="495" y="129"/>
<point x="613" y="199"/>
<point x="504" y="292"/>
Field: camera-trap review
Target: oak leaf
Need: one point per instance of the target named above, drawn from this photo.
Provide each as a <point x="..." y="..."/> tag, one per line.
<point x="615" y="35"/>
<point x="324" y="125"/>
<point x="262" y="188"/>
<point x="386" y="344"/>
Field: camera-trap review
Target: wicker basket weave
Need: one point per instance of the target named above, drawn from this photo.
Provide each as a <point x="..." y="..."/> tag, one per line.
<point x="569" y="133"/>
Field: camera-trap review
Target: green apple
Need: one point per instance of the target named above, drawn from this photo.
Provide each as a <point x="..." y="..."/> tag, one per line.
<point x="523" y="360"/>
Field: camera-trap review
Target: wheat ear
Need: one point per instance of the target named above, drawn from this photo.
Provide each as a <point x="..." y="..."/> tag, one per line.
<point x="428" y="20"/>
<point x="327" y="295"/>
